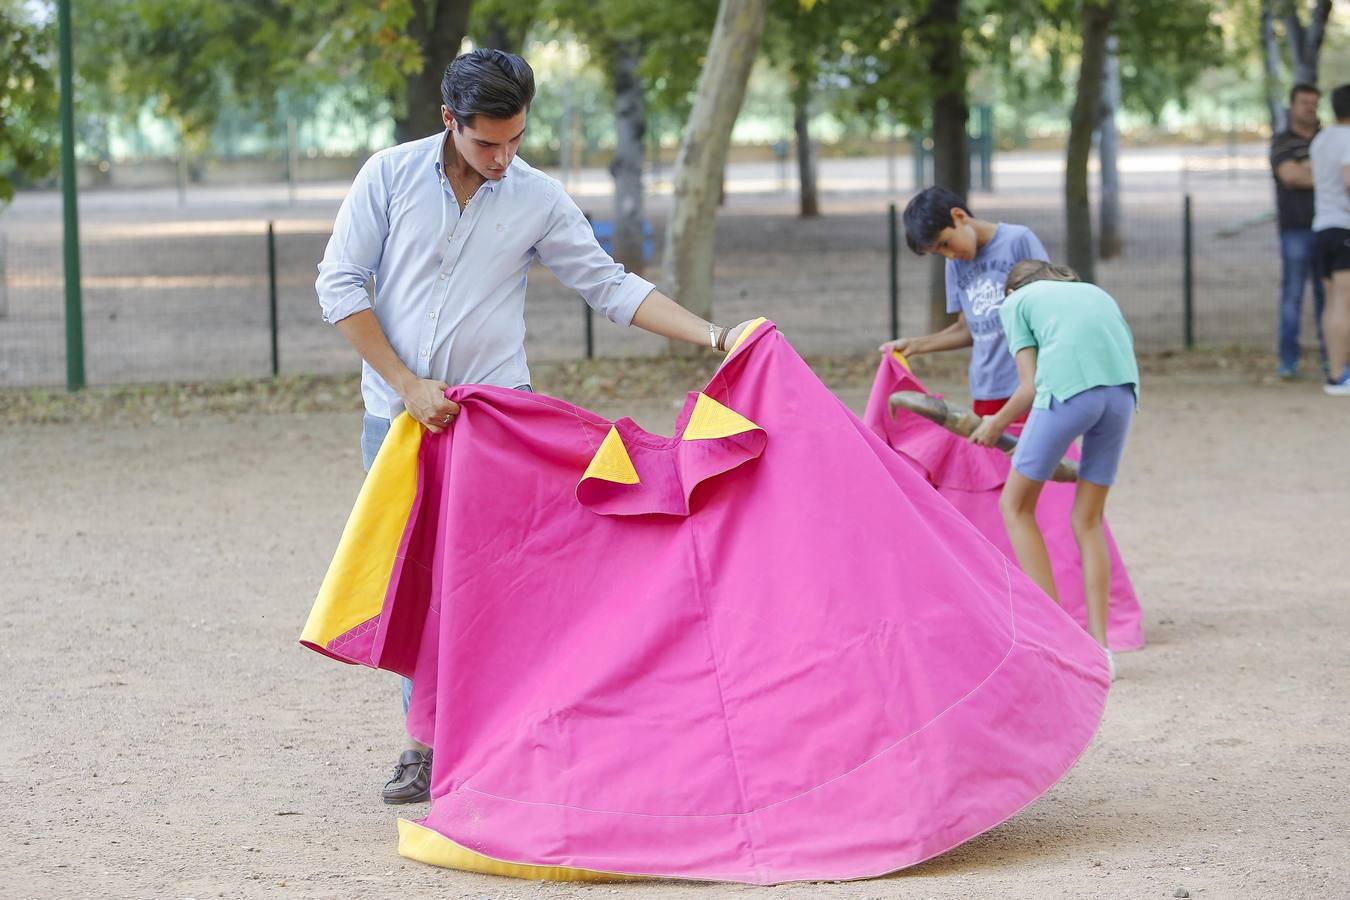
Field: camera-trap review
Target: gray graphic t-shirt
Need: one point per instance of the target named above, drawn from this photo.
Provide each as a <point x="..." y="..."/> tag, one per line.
<point x="976" y="289"/>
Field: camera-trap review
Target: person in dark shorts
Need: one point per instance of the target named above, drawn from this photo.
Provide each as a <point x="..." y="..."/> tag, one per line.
<point x="1330" y="155"/>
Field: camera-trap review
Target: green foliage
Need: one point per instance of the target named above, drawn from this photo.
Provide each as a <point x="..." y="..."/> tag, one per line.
<point x="28" y="99"/>
<point x="1022" y="52"/>
<point x="186" y="59"/>
<point x="673" y="36"/>
<point x="1165" y="45"/>
<point x="883" y="52"/>
<point x="802" y="37"/>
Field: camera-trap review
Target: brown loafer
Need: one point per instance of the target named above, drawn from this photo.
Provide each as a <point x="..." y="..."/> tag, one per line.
<point x="412" y="779"/>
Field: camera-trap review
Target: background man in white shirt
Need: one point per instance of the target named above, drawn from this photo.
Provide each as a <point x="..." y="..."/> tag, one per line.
<point x="447" y="227"/>
<point x="1330" y="155"/>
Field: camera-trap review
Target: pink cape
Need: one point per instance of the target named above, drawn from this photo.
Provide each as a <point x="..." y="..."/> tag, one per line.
<point x="764" y="650"/>
<point x="971" y="478"/>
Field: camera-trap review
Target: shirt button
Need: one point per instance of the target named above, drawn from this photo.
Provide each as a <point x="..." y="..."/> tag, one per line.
<point x="424" y="353"/>
<point x="442" y="276"/>
<point x="433" y="315"/>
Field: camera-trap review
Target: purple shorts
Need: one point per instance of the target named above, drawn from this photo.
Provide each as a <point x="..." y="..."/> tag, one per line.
<point x="1102" y="415"/>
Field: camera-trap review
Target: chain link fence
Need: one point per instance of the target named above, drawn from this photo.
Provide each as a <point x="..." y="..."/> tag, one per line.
<point x="189" y="300"/>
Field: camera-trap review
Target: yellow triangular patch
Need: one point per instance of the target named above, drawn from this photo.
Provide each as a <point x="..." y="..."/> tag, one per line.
<point x="900" y="358"/>
<point x="712" y="420"/>
<point x="611" y="461"/>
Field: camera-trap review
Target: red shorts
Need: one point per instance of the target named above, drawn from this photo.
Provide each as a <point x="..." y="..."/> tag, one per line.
<point x="989" y="407"/>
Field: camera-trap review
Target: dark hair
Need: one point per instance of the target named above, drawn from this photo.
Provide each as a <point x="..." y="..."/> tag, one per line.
<point x="927" y="214"/>
<point x="1340" y="101"/>
<point x="1026" y="271"/>
<point x="1303" y="88"/>
<point x="490" y="83"/>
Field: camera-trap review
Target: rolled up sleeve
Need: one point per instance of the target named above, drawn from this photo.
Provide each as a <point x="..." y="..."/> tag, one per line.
<point x="570" y="251"/>
<point x="354" y="251"/>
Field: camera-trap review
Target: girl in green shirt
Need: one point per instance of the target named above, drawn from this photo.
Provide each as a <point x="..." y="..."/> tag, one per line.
<point x="1078" y="376"/>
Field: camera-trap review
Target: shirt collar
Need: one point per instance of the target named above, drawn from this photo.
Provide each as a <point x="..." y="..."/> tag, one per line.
<point x="440" y="155"/>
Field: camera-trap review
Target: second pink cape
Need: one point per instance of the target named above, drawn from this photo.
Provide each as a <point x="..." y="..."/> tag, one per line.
<point x="971" y="478"/>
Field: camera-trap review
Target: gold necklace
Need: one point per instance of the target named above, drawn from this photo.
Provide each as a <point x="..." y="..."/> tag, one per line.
<point x="457" y="189"/>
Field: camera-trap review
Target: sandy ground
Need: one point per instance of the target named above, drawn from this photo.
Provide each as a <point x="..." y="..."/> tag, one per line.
<point x="165" y="736"/>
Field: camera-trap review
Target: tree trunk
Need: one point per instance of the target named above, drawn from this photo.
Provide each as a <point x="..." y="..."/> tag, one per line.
<point x="1108" y="155"/>
<point x="292" y="158"/>
<point x="181" y="168"/>
<point x="1098" y="16"/>
<point x="692" y="230"/>
<point x="4" y="281"/>
<point x="1312" y="46"/>
<point x="631" y="126"/>
<point x="941" y="29"/>
<point x="565" y="129"/>
<point x="806" y="155"/>
<point x="502" y="35"/>
<point x="438" y="27"/>
<point x="1305" y="44"/>
<point x="1279" y="114"/>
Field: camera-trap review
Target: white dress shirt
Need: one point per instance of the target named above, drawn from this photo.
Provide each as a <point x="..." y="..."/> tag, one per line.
<point x="450" y="286"/>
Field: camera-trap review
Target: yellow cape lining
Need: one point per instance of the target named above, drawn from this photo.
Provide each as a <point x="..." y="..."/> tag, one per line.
<point x="425" y="845"/>
<point x="354" y="589"/>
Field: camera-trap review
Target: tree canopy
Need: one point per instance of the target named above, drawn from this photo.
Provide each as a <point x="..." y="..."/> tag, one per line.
<point x="28" y="99"/>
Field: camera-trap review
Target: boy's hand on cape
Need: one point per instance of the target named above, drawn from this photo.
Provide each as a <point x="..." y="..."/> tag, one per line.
<point x="985" y="434"/>
<point x="426" y="402"/>
<point x="904" y="346"/>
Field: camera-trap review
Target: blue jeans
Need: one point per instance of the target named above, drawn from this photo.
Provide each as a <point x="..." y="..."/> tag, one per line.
<point x="373" y="431"/>
<point x="1296" y="267"/>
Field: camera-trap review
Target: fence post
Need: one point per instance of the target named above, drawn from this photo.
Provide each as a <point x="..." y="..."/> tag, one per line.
<point x="586" y="311"/>
<point x="590" y="331"/>
<point x="895" y="274"/>
<point x="272" y="294"/>
<point x="1188" y="274"/>
<point x="71" y="217"/>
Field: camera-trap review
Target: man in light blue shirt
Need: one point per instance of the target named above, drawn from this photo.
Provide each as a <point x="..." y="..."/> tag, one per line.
<point x="447" y="227"/>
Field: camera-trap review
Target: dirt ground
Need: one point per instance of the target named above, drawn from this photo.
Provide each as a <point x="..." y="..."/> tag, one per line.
<point x="165" y="736"/>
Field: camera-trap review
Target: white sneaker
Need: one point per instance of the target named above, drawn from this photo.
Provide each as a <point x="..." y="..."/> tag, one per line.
<point x="1339" y="388"/>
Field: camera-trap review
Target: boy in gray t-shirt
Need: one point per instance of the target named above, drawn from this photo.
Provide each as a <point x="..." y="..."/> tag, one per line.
<point x="979" y="256"/>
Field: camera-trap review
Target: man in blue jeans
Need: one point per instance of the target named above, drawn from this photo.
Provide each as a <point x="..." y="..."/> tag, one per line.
<point x="1294" y="203"/>
<point x="447" y="228"/>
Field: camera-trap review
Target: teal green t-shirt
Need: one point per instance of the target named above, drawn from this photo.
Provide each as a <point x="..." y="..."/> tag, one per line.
<point x="1080" y="336"/>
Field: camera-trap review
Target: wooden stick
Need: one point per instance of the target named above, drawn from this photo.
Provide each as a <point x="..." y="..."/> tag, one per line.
<point x="961" y="421"/>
